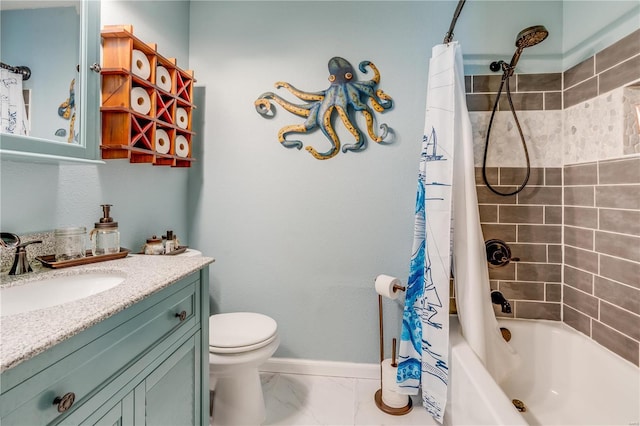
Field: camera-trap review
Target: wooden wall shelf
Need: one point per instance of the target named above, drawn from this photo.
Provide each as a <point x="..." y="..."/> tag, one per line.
<point x="159" y="130"/>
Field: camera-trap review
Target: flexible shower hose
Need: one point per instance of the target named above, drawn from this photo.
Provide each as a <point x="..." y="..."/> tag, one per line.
<point x="505" y="78"/>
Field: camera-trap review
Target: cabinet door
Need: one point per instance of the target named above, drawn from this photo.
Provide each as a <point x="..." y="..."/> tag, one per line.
<point x="172" y="391"/>
<point x="115" y="412"/>
<point x="120" y="415"/>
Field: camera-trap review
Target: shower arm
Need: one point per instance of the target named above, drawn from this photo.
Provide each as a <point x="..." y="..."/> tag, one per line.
<point x="448" y="37"/>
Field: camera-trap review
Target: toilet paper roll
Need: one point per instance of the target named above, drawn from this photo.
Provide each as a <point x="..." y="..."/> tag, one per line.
<point x="390" y="395"/>
<point x="140" y="64"/>
<point x="182" y="146"/>
<point x="163" y="79"/>
<point x="140" y="101"/>
<point x="384" y="286"/>
<point x="163" y="143"/>
<point x="182" y="118"/>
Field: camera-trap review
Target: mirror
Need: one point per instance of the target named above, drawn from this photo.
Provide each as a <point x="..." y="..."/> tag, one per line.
<point x="55" y="112"/>
<point x="50" y="32"/>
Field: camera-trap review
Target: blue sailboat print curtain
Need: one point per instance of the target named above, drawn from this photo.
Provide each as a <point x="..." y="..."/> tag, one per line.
<point x="424" y="341"/>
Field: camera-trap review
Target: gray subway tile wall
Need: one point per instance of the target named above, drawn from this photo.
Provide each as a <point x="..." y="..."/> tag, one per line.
<point x="581" y="92"/>
<point x="530" y="222"/>
<point x="627" y="221"/>
<point x="579" y="196"/>
<point x="619" y="75"/>
<point x="581" y="174"/>
<point x="615" y="341"/>
<point x="530" y="92"/>
<point x="618" y="52"/>
<point x="552" y="100"/>
<point x="538" y="82"/>
<point x="578" y="237"/>
<point x="576" y="228"/>
<point x="578" y="279"/>
<point x="575" y="319"/>
<point x="580" y="72"/>
<point x="602" y="254"/>
<point x="616" y="293"/>
<point x="609" y="69"/>
<point x="623" y="171"/>
<point x="580" y="301"/>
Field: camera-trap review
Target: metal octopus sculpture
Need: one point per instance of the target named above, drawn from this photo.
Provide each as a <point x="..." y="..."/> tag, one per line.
<point x="343" y="95"/>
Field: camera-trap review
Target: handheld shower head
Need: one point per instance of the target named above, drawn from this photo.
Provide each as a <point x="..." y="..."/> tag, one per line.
<point x="531" y="36"/>
<point x="526" y="38"/>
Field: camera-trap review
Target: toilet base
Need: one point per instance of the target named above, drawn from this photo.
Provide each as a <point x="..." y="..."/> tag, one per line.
<point x="238" y="399"/>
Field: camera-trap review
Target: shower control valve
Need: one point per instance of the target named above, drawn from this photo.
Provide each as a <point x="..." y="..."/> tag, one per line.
<point x="498" y="253"/>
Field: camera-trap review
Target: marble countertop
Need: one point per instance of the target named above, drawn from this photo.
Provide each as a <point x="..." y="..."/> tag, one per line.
<point x="24" y="335"/>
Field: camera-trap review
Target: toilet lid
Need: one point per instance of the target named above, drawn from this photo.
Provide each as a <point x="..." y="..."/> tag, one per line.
<point x="240" y="329"/>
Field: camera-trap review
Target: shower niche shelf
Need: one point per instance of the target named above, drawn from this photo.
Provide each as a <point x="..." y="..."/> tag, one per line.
<point x="145" y="120"/>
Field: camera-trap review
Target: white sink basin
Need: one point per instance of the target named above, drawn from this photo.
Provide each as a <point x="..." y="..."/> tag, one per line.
<point x="40" y="294"/>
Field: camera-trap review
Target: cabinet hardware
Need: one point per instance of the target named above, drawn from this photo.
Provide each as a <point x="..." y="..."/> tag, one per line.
<point x="182" y="315"/>
<point x="65" y="401"/>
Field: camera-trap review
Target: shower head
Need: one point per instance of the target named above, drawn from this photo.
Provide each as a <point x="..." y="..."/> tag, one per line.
<point x="526" y="38"/>
<point x="531" y="36"/>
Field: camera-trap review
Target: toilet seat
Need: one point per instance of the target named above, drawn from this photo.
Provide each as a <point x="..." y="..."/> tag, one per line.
<point x="240" y="332"/>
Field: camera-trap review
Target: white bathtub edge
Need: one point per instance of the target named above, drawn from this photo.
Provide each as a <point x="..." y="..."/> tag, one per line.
<point x="474" y="397"/>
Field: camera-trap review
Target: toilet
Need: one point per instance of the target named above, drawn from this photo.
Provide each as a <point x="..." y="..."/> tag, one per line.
<point x="239" y="343"/>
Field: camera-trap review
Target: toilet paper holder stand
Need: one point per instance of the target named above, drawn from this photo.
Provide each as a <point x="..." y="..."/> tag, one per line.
<point x="378" y="395"/>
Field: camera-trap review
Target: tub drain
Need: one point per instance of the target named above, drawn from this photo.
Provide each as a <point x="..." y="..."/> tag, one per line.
<point x="506" y="334"/>
<point x="519" y="405"/>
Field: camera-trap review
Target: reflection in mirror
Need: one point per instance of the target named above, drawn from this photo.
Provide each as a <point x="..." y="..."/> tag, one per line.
<point x="45" y="37"/>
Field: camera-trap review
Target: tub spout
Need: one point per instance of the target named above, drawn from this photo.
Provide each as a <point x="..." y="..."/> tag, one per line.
<point x="498" y="299"/>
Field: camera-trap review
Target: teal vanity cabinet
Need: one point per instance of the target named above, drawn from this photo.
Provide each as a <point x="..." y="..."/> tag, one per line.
<point x="146" y="365"/>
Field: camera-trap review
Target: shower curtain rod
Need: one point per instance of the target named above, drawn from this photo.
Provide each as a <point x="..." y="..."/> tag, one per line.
<point x="25" y="71"/>
<point x="449" y="35"/>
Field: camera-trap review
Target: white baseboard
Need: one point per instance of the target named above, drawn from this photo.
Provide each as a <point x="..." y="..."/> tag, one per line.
<point x="321" y="368"/>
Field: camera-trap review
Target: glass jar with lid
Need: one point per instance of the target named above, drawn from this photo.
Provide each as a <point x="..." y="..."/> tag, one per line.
<point x="70" y="243"/>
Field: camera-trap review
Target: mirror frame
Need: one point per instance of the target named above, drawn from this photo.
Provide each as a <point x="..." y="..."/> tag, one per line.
<point x="25" y="148"/>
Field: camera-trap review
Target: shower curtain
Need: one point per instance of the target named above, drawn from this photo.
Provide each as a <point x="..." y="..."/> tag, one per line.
<point x="446" y="182"/>
<point x="424" y="341"/>
<point x="12" y="110"/>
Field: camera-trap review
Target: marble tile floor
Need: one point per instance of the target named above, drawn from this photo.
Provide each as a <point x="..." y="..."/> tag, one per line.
<point x="305" y="400"/>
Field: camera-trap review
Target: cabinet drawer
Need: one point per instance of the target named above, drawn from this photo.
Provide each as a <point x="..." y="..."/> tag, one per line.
<point x="85" y="371"/>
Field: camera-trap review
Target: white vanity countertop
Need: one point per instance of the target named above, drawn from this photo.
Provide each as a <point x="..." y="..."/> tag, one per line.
<point x="27" y="334"/>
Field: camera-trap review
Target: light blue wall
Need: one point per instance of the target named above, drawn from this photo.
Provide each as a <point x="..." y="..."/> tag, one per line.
<point x="147" y="200"/>
<point x="590" y="26"/>
<point x="297" y="238"/>
<point x="488" y="31"/>
<point x="45" y="40"/>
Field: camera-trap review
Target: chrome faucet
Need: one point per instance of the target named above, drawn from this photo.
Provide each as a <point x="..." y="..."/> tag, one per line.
<point x="20" y="262"/>
<point x="498" y="299"/>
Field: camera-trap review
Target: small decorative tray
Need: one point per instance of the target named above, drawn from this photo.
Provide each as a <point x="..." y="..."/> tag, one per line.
<point x="180" y="249"/>
<point x="50" y="260"/>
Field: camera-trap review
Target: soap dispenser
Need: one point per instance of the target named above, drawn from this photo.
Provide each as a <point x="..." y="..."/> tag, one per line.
<point x="105" y="237"/>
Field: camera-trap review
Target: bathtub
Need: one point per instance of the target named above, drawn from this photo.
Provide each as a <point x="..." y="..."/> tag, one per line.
<point x="565" y="379"/>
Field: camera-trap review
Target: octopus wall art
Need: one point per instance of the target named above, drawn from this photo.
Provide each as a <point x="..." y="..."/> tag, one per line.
<point x="345" y="96"/>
